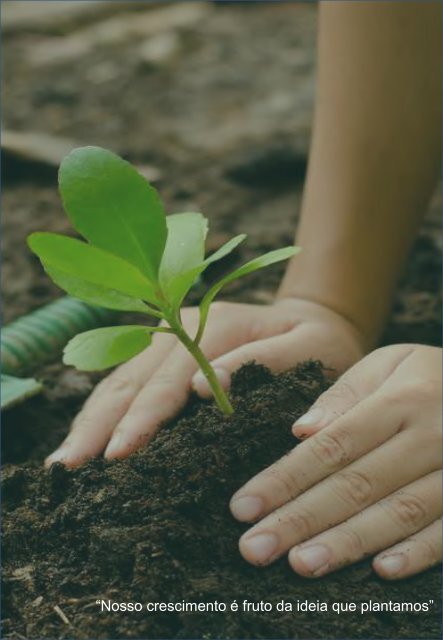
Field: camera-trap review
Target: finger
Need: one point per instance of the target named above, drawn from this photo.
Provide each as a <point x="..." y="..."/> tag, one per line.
<point x="166" y="391"/>
<point x="383" y="524"/>
<point x="275" y="352"/>
<point x="359" y="431"/>
<point x="338" y="497"/>
<point x="271" y="352"/>
<point x="357" y="383"/>
<point x="161" y="398"/>
<point x="415" y="554"/>
<point x="108" y="403"/>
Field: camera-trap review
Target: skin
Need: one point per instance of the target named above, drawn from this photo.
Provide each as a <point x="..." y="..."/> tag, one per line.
<point x="332" y="501"/>
<point x="374" y="161"/>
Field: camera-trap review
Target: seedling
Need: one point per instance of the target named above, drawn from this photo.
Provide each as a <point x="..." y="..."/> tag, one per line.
<point x="135" y="259"/>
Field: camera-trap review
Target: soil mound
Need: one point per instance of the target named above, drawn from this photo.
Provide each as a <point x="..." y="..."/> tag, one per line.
<point x="156" y="527"/>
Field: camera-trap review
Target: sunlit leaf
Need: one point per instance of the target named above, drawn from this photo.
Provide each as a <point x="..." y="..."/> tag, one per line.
<point x="114" y="207"/>
<point x="97" y="295"/>
<point x="72" y="264"/>
<point x="183" y="281"/>
<point x="103" y="348"/>
<point x="184" y="252"/>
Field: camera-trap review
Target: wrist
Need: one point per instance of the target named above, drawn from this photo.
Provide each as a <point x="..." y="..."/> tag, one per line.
<point x="364" y="308"/>
<point x="318" y="311"/>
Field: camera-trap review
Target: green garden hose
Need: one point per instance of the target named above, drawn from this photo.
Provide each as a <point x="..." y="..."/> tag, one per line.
<point x="38" y="338"/>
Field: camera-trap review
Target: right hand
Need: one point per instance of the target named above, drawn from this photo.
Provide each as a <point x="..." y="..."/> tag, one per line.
<point x="128" y="407"/>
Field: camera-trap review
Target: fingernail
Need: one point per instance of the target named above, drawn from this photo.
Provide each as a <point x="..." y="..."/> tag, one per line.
<point x="310" y="418"/>
<point x="314" y="558"/>
<point x="201" y="385"/>
<point x="392" y="564"/>
<point x="260" y="547"/>
<point x="114" y="446"/>
<point x="59" y="455"/>
<point x="246" y="508"/>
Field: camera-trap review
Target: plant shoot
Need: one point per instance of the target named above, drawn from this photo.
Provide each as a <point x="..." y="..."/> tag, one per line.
<point x="134" y="258"/>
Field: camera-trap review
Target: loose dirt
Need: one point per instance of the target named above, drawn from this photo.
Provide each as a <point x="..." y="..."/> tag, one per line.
<point x="224" y="120"/>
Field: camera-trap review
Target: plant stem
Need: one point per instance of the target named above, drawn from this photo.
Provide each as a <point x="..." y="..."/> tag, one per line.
<point x="220" y="395"/>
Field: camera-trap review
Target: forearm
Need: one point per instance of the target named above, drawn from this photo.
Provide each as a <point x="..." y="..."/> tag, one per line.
<point x="375" y="155"/>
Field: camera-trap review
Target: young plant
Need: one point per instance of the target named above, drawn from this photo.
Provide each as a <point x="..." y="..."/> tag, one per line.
<point x="135" y="259"/>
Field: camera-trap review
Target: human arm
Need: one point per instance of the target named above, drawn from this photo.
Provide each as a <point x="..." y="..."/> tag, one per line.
<point x="375" y="155"/>
<point x="316" y="315"/>
<point x="342" y="495"/>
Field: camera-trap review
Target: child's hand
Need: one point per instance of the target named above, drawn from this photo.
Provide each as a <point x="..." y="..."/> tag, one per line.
<point x="127" y="408"/>
<point x="367" y="480"/>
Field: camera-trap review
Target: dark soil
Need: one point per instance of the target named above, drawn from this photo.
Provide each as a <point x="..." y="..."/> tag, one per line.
<point x="226" y="123"/>
<point x="156" y="527"/>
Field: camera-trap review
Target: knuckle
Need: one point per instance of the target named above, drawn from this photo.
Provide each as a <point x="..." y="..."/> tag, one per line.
<point x="254" y="329"/>
<point x="408" y="511"/>
<point x="342" y="390"/>
<point x="430" y="551"/>
<point x="332" y="448"/>
<point x="116" y="384"/>
<point x="285" y="482"/>
<point x="353" y="541"/>
<point x="354" y="487"/>
<point x="302" y="523"/>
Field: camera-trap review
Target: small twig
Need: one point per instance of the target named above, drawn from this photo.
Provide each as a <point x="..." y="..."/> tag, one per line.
<point x="60" y="613"/>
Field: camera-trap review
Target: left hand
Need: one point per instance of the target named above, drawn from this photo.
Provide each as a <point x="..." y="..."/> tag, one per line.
<point x="368" y="478"/>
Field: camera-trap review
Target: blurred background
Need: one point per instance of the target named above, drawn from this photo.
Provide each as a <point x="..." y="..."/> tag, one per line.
<point x="212" y="101"/>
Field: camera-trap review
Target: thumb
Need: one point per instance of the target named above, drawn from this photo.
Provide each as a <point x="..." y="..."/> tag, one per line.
<point x="277" y="353"/>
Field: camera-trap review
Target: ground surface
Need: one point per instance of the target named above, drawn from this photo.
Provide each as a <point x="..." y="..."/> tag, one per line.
<point x="156" y="527"/>
<point x="221" y="117"/>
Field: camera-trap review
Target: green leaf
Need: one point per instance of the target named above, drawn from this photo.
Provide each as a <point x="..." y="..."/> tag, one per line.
<point x="103" y="348"/>
<point x="97" y="295"/>
<point x="185" y="246"/>
<point x="225" y="249"/>
<point x="15" y="390"/>
<point x="253" y="265"/>
<point x="114" y="207"/>
<point x="183" y="283"/>
<point x="85" y="271"/>
<point x="184" y="252"/>
<point x="183" y="260"/>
